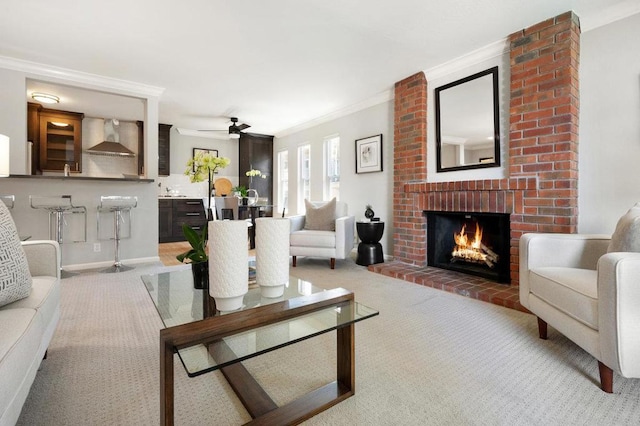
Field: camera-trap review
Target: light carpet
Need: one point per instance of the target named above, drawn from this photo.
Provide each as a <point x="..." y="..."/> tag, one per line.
<point x="430" y="357"/>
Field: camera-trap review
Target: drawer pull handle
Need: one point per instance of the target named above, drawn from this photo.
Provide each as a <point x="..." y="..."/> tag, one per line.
<point x="192" y="202"/>
<point x="193" y="214"/>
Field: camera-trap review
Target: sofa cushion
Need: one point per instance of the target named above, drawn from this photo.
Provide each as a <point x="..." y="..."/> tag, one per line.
<point x="626" y="237"/>
<point x="306" y="238"/>
<point x="15" y="278"/>
<point x="571" y="290"/>
<point x="322" y="218"/>
<point x="20" y="337"/>
<point x="44" y="297"/>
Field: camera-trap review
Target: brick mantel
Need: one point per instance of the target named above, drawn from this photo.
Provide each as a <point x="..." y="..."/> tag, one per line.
<point x="541" y="193"/>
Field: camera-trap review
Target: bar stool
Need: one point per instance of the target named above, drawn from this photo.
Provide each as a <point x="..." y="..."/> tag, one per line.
<point x="8" y="200"/>
<point x="117" y="205"/>
<point x="58" y="206"/>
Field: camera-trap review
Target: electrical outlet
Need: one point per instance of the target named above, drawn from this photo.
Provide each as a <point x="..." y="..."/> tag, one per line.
<point x="96" y="247"/>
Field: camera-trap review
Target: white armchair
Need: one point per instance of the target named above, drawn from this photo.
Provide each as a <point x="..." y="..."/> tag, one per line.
<point x="587" y="294"/>
<point x="332" y="244"/>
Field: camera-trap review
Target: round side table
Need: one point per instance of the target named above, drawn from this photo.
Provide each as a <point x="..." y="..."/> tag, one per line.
<point x="370" y="249"/>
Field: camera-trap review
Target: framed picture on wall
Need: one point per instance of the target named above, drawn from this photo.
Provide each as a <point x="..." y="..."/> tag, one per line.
<point x="196" y="151"/>
<point x="369" y="154"/>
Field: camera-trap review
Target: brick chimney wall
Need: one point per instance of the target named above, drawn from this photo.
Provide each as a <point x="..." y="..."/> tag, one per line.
<point x="541" y="192"/>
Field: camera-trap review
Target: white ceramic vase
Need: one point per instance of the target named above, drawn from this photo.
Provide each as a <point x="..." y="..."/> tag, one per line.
<point x="272" y="255"/>
<point x="228" y="263"/>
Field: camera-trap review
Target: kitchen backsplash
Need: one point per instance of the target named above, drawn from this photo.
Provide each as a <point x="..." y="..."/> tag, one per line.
<point x="181" y="185"/>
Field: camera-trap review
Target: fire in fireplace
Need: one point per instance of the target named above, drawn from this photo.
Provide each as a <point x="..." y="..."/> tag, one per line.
<point x="472" y="249"/>
<point x="473" y="243"/>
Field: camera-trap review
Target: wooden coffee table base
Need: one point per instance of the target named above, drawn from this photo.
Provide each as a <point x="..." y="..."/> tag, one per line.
<point x="259" y="405"/>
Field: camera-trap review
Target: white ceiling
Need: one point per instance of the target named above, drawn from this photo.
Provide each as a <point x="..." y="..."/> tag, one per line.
<point x="274" y="64"/>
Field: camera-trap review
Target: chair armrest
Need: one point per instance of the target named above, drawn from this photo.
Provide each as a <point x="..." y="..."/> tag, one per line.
<point x="562" y="250"/>
<point x="618" y="312"/>
<point x="345" y="235"/>
<point x="43" y="257"/>
<point x="297" y="222"/>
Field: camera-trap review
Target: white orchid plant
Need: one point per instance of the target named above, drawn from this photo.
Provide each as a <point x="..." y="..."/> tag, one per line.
<point x="202" y="167"/>
<point x="255" y="172"/>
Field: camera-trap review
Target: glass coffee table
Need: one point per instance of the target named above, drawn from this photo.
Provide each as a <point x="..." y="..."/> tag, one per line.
<point x="207" y="340"/>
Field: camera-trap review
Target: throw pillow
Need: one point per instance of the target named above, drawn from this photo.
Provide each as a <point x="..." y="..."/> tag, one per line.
<point x="321" y="218"/>
<point x="627" y="234"/>
<point x="15" y="278"/>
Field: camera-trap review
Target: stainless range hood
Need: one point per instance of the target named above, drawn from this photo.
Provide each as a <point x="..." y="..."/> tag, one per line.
<point x="111" y="145"/>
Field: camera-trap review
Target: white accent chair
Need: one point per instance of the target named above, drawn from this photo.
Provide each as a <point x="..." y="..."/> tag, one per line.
<point x="332" y="244"/>
<point x="570" y="282"/>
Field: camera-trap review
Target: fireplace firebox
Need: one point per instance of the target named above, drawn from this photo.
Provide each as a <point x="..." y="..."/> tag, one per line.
<point x="473" y="243"/>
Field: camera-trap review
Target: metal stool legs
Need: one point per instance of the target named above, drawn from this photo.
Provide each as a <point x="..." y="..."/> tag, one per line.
<point x="117" y="265"/>
<point x="57" y="206"/>
<point x="117" y="204"/>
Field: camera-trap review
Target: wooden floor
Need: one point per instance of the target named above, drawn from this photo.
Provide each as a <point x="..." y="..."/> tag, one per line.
<point x="169" y="251"/>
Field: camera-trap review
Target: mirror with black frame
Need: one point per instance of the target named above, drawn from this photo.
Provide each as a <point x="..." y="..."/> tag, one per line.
<point x="467" y="123"/>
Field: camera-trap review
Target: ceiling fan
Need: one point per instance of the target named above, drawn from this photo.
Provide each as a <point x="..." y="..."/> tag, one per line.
<point x="234" y="129"/>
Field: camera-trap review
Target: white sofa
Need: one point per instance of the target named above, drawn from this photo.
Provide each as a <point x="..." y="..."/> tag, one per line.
<point x="332" y="244"/>
<point x="26" y="328"/>
<point x="572" y="283"/>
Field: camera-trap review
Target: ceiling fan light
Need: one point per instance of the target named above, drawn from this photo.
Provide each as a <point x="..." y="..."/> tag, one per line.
<point x="45" y="98"/>
<point x="234" y="135"/>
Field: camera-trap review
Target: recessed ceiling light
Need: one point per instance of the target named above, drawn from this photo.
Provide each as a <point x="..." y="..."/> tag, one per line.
<point x="45" y="98"/>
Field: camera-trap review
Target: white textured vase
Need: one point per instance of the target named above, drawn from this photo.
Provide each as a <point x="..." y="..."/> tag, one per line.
<point x="228" y="263"/>
<point x="272" y="255"/>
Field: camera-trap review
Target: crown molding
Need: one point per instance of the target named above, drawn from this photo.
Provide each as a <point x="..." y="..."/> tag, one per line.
<point x="609" y="15"/>
<point x="381" y="97"/>
<point x="79" y="78"/>
<point x="474" y="57"/>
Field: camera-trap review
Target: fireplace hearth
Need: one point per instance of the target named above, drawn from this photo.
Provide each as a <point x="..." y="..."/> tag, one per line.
<point x="473" y="243"/>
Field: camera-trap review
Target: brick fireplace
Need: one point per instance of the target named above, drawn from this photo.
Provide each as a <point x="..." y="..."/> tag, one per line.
<point x="540" y="193"/>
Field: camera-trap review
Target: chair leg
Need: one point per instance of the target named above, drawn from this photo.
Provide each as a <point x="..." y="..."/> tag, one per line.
<point x="542" y="328"/>
<point x="294" y="261"/>
<point x="606" y="378"/>
<point x="333" y="263"/>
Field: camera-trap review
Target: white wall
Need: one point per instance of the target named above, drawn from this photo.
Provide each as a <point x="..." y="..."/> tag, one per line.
<point x="609" y="124"/>
<point x="13" y="117"/>
<point x="357" y="190"/>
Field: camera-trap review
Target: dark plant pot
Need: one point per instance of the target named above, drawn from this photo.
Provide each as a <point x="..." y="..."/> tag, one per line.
<point x="368" y="213"/>
<point x="245" y="201"/>
<point x="200" y="273"/>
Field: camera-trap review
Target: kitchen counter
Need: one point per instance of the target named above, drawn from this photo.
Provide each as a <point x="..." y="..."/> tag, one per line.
<point x="179" y="197"/>
<point x="83" y="178"/>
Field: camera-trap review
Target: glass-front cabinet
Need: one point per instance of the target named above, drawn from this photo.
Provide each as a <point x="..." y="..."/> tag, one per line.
<point x="60" y="140"/>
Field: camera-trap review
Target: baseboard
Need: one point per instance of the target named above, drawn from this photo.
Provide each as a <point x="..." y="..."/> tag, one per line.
<point x="107" y="263"/>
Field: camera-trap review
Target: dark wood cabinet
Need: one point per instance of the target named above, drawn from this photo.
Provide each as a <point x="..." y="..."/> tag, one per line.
<point x="56" y="137"/>
<point x="33" y="135"/>
<point x="164" y="149"/>
<point x="165" y="225"/>
<point x="175" y="212"/>
<point x="256" y="152"/>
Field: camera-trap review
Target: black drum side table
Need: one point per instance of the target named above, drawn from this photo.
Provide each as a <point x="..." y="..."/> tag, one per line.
<point x="370" y="249"/>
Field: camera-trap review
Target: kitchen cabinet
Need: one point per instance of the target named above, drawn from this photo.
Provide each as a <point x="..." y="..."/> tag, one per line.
<point x="256" y="152"/>
<point x="165" y="226"/>
<point x="60" y="140"/>
<point x="33" y="135"/>
<point x="164" y="149"/>
<point x="176" y="211"/>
